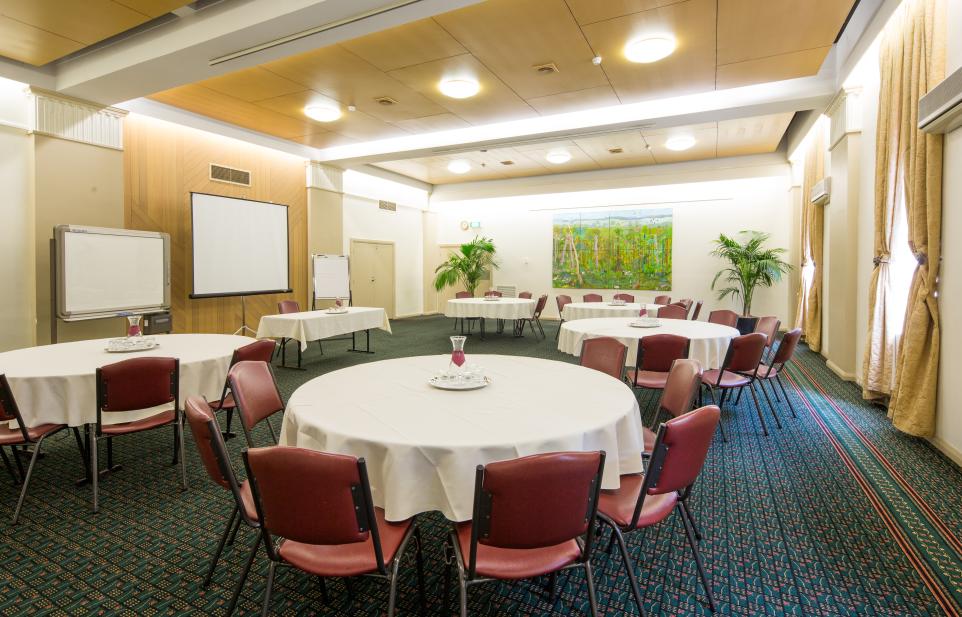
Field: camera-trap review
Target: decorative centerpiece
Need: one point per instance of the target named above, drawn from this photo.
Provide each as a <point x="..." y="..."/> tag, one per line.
<point x="459" y="376"/>
<point x="133" y="326"/>
<point x="645" y="322"/>
<point x="338" y="307"/>
<point x="618" y="302"/>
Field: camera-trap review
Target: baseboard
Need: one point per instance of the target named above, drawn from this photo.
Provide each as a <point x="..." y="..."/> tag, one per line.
<point x="406" y="315"/>
<point x="947" y="449"/>
<point x="838" y="371"/>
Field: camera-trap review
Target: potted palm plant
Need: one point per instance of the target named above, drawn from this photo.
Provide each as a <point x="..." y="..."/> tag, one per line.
<point x="468" y="267"/>
<point x="750" y="265"/>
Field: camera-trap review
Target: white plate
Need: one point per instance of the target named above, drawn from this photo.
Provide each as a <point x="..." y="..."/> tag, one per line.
<point x="336" y="311"/>
<point x="641" y="323"/>
<point x="617" y="303"/>
<point x="491" y="298"/>
<point x="120" y="345"/>
<point x="454" y="385"/>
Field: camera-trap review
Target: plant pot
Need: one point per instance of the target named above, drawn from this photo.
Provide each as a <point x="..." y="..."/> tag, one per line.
<point x="746" y="324"/>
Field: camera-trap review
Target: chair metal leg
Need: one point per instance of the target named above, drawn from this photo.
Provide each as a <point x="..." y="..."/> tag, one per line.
<point x="689" y="532"/>
<point x="26" y="479"/>
<point x="449" y="566"/>
<point x="552" y="587"/>
<point x="322" y="587"/>
<point x="270" y="427"/>
<point x="220" y="546"/>
<point x="592" y="600"/>
<point x="266" y="608"/>
<point x="691" y="519"/>
<point x="771" y="406"/>
<point x="6" y="463"/>
<point x="418" y="555"/>
<point x="16" y="459"/>
<point x="629" y="569"/>
<point x="233" y="534"/>
<point x="758" y="408"/>
<point x="179" y="434"/>
<point x="243" y="577"/>
<point x="721" y="428"/>
<point x="778" y="399"/>
<point x="788" y="401"/>
<point x="464" y="597"/>
<point x="94" y="466"/>
<point x="738" y="399"/>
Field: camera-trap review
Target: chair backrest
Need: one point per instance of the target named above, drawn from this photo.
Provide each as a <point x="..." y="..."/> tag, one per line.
<point x="686" y="302"/>
<point x="680" y="450"/>
<point x="662" y="300"/>
<point x="312" y="497"/>
<point x="525" y="294"/>
<point x="786" y="349"/>
<point x="626" y="297"/>
<point x="9" y="411"/>
<point x="592" y="298"/>
<point x="672" y="311"/>
<point x="542" y="300"/>
<point x="493" y="292"/>
<point x="211" y="446"/>
<point x="723" y="317"/>
<point x="259" y="351"/>
<point x="684" y="380"/>
<point x="463" y="294"/>
<point x="255" y="391"/>
<point x="137" y="383"/>
<point x="288" y="306"/>
<point x="562" y="301"/>
<point x="605" y="354"/>
<point x="536" y="501"/>
<point x="745" y="353"/>
<point x="697" y="310"/>
<point x="769" y="327"/>
<point x="658" y="352"/>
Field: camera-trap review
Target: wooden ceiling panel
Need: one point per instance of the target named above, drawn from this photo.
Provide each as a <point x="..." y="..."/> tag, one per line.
<point x="499" y="33"/>
<point x="634" y="149"/>
<point x="357" y="125"/>
<point x="34" y="46"/>
<point x="691" y="68"/>
<point x="706" y="138"/>
<point x="577" y="100"/>
<point x="253" y="84"/>
<point x="432" y="124"/>
<point x="411" y="169"/>
<point x="773" y="68"/>
<point x="591" y="11"/>
<point x="414" y="43"/>
<point x="752" y="135"/>
<point x="153" y="8"/>
<point x="323" y="139"/>
<point x="748" y="29"/>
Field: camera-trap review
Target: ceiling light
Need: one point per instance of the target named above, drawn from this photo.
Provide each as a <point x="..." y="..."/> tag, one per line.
<point x="558" y="156"/>
<point x="459" y="88"/>
<point x="322" y="113"/>
<point x="650" y="49"/>
<point x="596" y="60"/>
<point x="459" y="166"/>
<point x="680" y="142"/>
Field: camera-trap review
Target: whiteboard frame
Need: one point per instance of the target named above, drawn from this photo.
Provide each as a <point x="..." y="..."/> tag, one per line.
<point x="60" y="231"/>
<point x="314" y="295"/>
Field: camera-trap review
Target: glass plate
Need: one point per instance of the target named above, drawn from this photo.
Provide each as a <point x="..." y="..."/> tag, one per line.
<point x="453" y="385"/>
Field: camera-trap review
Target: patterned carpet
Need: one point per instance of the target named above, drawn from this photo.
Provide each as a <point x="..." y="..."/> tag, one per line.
<point x="835" y="514"/>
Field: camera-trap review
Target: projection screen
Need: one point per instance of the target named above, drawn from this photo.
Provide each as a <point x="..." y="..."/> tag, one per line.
<point x="240" y="246"/>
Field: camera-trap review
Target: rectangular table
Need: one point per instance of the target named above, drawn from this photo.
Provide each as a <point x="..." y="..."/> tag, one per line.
<point x="309" y="326"/>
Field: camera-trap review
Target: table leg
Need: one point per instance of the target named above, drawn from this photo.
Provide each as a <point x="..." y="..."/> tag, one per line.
<point x="354" y="343"/>
<point x="85" y="449"/>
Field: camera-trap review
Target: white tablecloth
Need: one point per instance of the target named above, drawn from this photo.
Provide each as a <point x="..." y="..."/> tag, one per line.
<point x="310" y="326"/>
<point x="589" y="310"/>
<point x="709" y="342"/>
<point x="57" y="383"/>
<point x="502" y="308"/>
<point x="422" y="444"/>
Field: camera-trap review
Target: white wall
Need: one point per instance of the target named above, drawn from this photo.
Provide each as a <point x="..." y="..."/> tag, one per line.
<point x="520" y="224"/>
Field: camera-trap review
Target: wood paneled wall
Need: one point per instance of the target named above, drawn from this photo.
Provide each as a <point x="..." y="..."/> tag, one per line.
<point x="163" y="164"/>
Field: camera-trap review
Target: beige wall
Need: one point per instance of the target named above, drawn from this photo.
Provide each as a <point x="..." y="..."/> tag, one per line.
<point x="325" y="229"/>
<point x="16" y="246"/>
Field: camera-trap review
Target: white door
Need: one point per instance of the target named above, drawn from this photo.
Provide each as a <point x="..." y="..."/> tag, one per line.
<point x="372" y="274"/>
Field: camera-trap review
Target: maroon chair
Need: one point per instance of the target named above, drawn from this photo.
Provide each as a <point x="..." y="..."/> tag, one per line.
<point x="697" y="311"/>
<point x="259" y="351"/>
<point x="493" y="293"/>
<point x="626" y="297"/>
<point x="739" y="369"/>
<point x="463" y="294"/>
<point x="656" y="355"/>
<point x="285" y="307"/>
<point x="724" y="317"/>
<point x="22" y="436"/>
<point x="643" y="501"/>
<point x="534" y="320"/>
<point x="216" y="461"/>
<point x="677" y="397"/>
<point x="768" y="326"/>
<point x="672" y="311"/>
<point x="662" y="300"/>
<point x="532" y="516"/>
<point x="771" y="373"/>
<point x="604" y="354"/>
<point x="256" y="395"/>
<point x="562" y="301"/>
<point x="320" y="505"/>
<point x="525" y="295"/>
<point x="460" y="296"/>
<point x="133" y="385"/>
<point x="592" y="298"/>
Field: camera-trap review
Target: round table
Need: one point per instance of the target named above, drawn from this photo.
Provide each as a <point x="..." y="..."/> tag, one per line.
<point x="502" y="308"/>
<point x="709" y="342"/>
<point x="422" y="444"/>
<point x="589" y="310"/>
<point x="57" y="383"/>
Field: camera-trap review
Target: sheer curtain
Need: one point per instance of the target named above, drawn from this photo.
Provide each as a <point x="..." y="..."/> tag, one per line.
<point x="808" y="315"/>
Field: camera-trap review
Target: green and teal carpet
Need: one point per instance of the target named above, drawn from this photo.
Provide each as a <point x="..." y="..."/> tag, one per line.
<point x="835" y="514"/>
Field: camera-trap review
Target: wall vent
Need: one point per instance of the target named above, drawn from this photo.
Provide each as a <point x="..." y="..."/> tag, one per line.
<point x="385" y="100"/>
<point x="387" y="205"/>
<point x="507" y="162"/>
<point x="508" y="291"/>
<point x="222" y="173"/>
<point x="616" y="150"/>
<point x="546" y="69"/>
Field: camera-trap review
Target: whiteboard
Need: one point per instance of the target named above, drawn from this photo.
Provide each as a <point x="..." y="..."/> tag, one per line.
<point x="101" y="272"/>
<point x="240" y="246"/>
<point x="332" y="278"/>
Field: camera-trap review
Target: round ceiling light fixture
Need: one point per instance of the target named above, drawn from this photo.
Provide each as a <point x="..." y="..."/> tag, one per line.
<point x="680" y="142"/>
<point x="459" y="166"/>
<point x="322" y="113"/>
<point x="558" y="156"/>
<point x="459" y="88"/>
<point x="650" y="49"/>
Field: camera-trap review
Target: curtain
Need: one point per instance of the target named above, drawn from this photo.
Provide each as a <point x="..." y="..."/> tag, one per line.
<point x="913" y="61"/>
<point x="808" y="315"/>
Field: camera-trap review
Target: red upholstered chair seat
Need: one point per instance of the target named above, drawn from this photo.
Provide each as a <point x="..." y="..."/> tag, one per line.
<point x="122" y="428"/>
<point x="516" y="564"/>
<point x="12" y="437"/>
<point x="648" y="379"/>
<point x="763" y="370"/>
<point x="728" y="379"/>
<point x="227" y="403"/>
<point x="619" y="505"/>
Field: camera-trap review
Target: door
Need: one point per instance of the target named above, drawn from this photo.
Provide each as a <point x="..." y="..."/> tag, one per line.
<point x="372" y="274"/>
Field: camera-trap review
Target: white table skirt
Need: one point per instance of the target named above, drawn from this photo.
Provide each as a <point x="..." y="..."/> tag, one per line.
<point x="589" y="310"/>
<point x="57" y="383"/>
<point x="422" y="444"/>
<point x="709" y="342"/>
<point x="310" y="326"/>
<point x="502" y="308"/>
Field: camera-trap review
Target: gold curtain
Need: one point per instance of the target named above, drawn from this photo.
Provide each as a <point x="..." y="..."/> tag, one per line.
<point x="919" y="35"/>
<point x="808" y="315"/>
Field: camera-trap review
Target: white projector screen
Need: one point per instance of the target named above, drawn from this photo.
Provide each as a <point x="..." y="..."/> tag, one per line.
<point x="240" y="246"/>
<point x="102" y="272"/>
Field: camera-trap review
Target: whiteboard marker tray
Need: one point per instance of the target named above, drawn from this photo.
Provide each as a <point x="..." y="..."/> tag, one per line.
<point x="128" y="345"/>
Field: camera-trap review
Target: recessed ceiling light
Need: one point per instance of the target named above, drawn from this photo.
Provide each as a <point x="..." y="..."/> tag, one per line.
<point x="459" y="166"/>
<point x="680" y="142"/>
<point x="459" y="88"/>
<point x="558" y="156"/>
<point x="650" y="49"/>
<point x="322" y="113"/>
<point x="596" y="60"/>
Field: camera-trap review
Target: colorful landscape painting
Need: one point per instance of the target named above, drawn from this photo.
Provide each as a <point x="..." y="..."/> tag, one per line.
<point x="613" y="249"/>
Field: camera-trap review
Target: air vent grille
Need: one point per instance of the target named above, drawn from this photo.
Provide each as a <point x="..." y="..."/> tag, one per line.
<point x="507" y="162"/>
<point x="222" y="173"/>
<point x="616" y="150"/>
<point x="387" y="205"/>
<point x="546" y="69"/>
